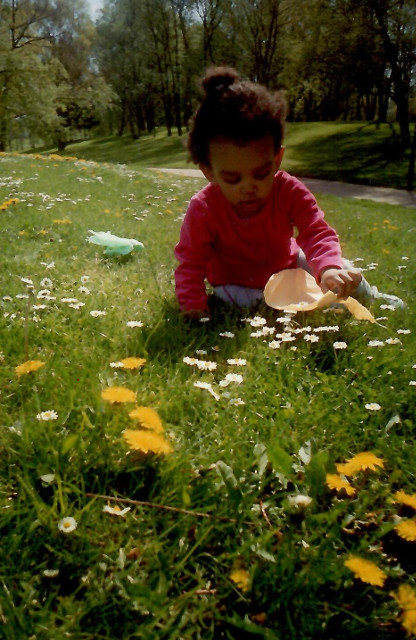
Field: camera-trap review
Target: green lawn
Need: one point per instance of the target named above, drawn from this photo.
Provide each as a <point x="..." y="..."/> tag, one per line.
<point x="255" y="541"/>
<point x="357" y="152"/>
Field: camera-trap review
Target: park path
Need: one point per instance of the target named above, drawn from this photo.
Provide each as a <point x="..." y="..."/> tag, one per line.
<point x="340" y="189"/>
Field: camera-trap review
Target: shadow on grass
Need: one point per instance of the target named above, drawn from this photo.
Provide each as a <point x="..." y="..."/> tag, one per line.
<point x="363" y="155"/>
<point x="146" y="151"/>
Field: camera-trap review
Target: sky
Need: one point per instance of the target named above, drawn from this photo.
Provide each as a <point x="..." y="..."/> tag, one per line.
<point x="95" y="6"/>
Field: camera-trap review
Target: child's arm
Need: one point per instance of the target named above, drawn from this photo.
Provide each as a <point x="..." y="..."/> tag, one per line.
<point x="192" y="252"/>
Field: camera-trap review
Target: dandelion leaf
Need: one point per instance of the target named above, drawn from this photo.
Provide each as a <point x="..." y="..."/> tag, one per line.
<point x="280" y="460"/>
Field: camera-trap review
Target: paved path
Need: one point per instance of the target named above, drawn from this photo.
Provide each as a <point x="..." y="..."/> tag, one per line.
<point x="340" y="189"/>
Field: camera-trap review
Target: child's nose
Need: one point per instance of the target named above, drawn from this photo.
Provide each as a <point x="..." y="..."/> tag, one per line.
<point x="249" y="187"/>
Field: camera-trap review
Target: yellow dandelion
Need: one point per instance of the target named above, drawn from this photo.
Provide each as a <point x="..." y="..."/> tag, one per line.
<point x="406" y="529"/>
<point x="405" y="597"/>
<point x="146" y="441"/>
<point x="118" y="394"/>
<point x="360" y="462"/>
<point x="241" y="578"/>
<point x="336" y="483"/>
<point x="406" y="499"/>
<point x="28" y="367"/>
<point x="148" y="418"/>
<point x="366" y="571"/>
<point x="133" y="363"/>
<point x="62" y="221"/>
<point x="408" y="620"/>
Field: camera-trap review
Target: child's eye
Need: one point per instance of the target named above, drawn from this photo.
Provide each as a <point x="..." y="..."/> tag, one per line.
<point x="232" y="180"/>
<point x="262" y="176"/>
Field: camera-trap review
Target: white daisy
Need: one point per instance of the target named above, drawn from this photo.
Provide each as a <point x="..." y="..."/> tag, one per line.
<point x="373" y="406"/>
<point x="47" y="415"/>
<point x="238" y="361"/>
<point x="116" y="511"/>
<point x="134" y="323"/>
<point x="66" y="525"/>
<point x="97" y="312"/>
<point x="375" y="343"/>
<point x="227" y="334"/>
<point x="208" y="386"/>
<point x="340" y="345"/>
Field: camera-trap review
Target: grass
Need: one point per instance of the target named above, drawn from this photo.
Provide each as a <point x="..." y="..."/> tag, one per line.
<point x="357" y="152"/>
<point x="240" y="555"/>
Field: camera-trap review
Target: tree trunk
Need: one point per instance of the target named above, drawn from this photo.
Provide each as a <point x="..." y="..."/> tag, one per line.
<point x="412" y="159"/>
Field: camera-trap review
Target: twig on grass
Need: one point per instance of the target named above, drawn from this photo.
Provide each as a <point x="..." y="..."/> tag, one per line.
<point x="164" y="507"/>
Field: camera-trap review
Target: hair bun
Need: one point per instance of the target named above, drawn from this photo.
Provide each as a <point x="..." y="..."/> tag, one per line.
<point x="219" y="78"/>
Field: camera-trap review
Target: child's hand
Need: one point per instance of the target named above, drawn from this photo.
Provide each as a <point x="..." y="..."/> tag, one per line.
<point x="341" y="281"/>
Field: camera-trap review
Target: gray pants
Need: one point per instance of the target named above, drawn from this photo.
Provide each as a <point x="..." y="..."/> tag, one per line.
<point x="239" y="296"/>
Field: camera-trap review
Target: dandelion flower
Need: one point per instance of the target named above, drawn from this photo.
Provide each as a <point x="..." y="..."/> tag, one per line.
<point x="360" y="462"/>
<point x="366" y="571"/>
<point x="28" y="367"/>
<point x="116" y="511"/>
<point x="405" y="597"/>
<point x="336" y="483"/>
<point x="47" y="415"/>
<point x="241" y="578"/>
<point x="146" y="441"/>
<point x="148" y="418"/>
<point x="118" y="394"/>
<point x="406" y="529"/>
<point x="408" y="619"/>
<point x="66" y="525"/>
<point x="406" y="499"/>
<point x="133" y="363"/>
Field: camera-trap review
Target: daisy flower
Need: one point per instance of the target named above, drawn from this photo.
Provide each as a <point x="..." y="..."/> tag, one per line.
<point x="310" y="337"/>
<point x="339" y="345"/>
<point x="237" y="361"/>
<point x="47" y="415"/>
<point x="257" y="321"/>
<point x="97" y="312"/>
<point x="227" y="334"/>
<point x="373" y="406"/>
<point x="375" y="343"/>
<point x="132" y="324"/>
<point x="208" y="386"/>
<point x="116" y="511"/>
<point x="231" y="377"/>
<point x="66" y="525"/>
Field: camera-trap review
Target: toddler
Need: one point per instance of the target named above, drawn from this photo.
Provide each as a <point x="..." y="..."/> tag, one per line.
<point x="251" y="220"/>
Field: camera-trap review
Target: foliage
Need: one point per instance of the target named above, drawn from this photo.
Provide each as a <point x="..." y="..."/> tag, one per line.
<point x="235" y="533"/>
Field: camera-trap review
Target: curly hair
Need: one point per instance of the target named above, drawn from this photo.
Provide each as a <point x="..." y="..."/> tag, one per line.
<point x="235" y="109"/>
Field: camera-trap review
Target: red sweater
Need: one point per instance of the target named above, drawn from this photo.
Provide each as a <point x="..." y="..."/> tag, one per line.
<point x="218" y="245"/>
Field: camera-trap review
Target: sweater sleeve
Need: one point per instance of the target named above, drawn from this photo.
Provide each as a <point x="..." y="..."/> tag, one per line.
<point x="193" y="253"/>
<point x="316" y="238"/>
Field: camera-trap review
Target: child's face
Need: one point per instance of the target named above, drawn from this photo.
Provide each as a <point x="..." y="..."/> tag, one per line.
<point x="244" y="173"/>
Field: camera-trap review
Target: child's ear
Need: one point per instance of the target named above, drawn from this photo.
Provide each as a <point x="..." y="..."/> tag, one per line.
<point x="279" y="156"/>
<point x="207" y="171"/>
